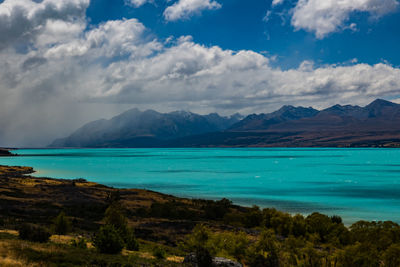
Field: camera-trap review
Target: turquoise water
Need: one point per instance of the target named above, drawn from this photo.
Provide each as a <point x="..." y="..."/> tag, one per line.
<point x="353" y="183"/>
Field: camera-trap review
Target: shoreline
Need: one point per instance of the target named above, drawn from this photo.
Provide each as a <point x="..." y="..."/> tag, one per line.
<point x="26" y="171"/>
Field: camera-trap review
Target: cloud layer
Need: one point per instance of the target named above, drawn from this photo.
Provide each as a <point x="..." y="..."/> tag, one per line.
<point x="326" y="16"/>
<point x="56" y="72"/>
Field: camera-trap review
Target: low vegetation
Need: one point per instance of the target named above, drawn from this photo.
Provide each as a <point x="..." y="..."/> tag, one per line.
<point x="49" y="222"/>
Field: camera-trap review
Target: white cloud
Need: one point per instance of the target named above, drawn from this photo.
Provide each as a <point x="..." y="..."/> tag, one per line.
<point x="183" y="9"/>
<point x="25" y="19"/>
<point x="277" y="2"/>
<point x="326" y="16"/>
<point x="138" y="3"/>
<point x="68" y="75"/>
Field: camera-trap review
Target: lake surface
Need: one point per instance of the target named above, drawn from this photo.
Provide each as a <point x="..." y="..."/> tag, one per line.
<point x="353" y="183"/>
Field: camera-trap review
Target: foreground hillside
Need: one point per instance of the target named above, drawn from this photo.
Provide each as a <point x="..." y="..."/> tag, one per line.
<point x="53" y="222"/>
<point x="375" y="125"/>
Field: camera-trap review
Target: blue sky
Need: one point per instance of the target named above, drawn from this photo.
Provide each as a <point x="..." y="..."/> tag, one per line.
<point x="241" y="25"/>
<point x="67" y="62"/>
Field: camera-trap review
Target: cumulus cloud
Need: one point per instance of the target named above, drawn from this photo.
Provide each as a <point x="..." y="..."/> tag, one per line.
<point x="327" y="16"/>
<point x="24" y="19"/>
<point x="68" y="74"/>
<point x="183" y="9"/>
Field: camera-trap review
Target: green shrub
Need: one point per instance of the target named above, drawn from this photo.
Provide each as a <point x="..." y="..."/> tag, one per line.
<point x="392" y="256"/>
<point x="360" y="255"/>
<point x="264" y="252"/>
<point x="108" y="240"/>
<point x="320" y="224"/>
<point x="159" y="253"/>
<point x="33" y="233"/>
<point x="62" y="224"/>
<point x="113" y="197"/>
<point x="336" y="219"/>
<point x="199" y="237"/>
<point x="237" y="244"/>
<point x="253" y="217"/>
<point x="216" y="210"/>
<point x="131" y="241"/>
<point x="203" y="257"/>
<point x="114" y="216"/>
<point x="299" y="227"/>
<point x="79" y="243"/>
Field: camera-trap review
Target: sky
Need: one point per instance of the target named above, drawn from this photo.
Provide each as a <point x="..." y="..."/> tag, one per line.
<point x="67" y="62"/>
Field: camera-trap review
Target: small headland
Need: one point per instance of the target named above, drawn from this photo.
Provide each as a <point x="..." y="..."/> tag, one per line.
<point x="5" y="153"/>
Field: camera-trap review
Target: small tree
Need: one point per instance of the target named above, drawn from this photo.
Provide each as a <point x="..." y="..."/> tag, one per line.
<point x="108" y="240"/>
<point x="62" y="225"/>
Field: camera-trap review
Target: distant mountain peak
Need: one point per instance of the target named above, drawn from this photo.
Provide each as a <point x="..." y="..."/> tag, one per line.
<point x="381" y="103"/>
<point x="287" y="107"/>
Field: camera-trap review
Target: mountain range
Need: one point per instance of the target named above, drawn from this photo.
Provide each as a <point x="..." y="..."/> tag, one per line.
<point x="375" y="125"/>
<point x="149" y="128"/>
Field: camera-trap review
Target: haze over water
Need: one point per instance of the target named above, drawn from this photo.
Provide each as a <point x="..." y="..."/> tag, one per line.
<point x="353" y="183"/>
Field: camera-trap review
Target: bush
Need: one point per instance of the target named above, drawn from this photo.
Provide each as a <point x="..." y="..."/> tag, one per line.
<point x="159" y="253"/>
<point x="199" y="237"/>
<point x="299" y="226"/>
<point x="108" y="240"/>
<point x="113" y="197"/>
<point x="392" y="256"/>
<point x="131" y="241"/>
<point x="237" y="244"/>
<point x="216" y="210"/>
<point x="203" y="257"/>
<point x="115" y="217"/>
<point x="320" y="224"/>
<point x="336" y="219"/>
<point x="360" y="255"/>
<point x="253" y="217"/>
<point x="62" y="225"/>
<point x="264" y="252"/>
<point x="79" y="243"/>
<point x="33" y="233"/>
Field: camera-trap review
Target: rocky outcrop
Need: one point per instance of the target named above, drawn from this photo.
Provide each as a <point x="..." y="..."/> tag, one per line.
<point x="216" y="261"/>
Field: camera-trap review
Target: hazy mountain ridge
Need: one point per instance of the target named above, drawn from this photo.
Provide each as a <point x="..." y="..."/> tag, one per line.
<point x="377" y="124"/>
<point x="136" y="128"/>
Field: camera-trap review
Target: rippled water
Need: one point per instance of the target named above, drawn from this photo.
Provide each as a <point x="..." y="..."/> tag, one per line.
<point x="354" y="183"/>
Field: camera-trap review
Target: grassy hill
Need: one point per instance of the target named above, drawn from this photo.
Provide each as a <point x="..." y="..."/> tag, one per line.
<point x="167" y="228"/>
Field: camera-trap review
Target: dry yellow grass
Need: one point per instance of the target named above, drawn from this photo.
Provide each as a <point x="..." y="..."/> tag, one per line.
<point x="11" y="232"/>
<point x="8" y="259"/>
<point x="11" y="262"/>
<point x="62" y="239"/>
<point x="175" y="259"/>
